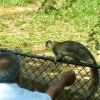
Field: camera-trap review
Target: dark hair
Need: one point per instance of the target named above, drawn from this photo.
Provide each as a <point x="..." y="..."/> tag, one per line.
<point x="9" y="71"/>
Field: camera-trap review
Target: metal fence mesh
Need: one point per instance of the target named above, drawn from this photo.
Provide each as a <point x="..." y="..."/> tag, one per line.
<point x="41" y="72"/>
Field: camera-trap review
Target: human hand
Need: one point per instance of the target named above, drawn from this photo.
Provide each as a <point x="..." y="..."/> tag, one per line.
<point x="68" y="78"/>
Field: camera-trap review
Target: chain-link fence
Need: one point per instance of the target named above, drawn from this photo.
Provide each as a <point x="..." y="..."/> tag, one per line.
<point x="41" y="72"/>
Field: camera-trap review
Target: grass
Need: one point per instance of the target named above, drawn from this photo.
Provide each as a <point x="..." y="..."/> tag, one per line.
<point x="9" y="3"/>
<point x="29" y="31"/>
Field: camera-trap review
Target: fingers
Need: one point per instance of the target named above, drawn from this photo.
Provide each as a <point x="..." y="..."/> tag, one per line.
<point x="69" y="71"/>
<point x="68" y="77"/>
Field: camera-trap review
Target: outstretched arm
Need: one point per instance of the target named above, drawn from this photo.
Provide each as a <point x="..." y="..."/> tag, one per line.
<point x="67" y="79"/>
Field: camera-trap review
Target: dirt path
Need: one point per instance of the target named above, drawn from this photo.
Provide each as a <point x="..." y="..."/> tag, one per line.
<point x="15" y="10"/>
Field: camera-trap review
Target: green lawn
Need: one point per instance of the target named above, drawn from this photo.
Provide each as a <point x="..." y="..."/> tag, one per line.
<point x="28" y="31"/>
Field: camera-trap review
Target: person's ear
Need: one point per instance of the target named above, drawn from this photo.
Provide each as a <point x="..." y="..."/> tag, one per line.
<point x="19" y="77"/>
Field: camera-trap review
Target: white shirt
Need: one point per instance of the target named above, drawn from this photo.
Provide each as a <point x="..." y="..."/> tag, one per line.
<point x="14" y="92"/>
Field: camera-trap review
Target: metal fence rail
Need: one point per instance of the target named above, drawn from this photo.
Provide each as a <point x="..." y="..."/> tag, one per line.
<point x="41" y="72"/>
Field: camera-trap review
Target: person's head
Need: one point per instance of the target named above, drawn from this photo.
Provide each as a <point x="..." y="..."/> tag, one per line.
<point x="10" y="68"/>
